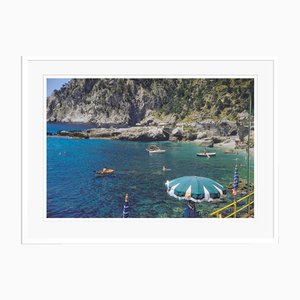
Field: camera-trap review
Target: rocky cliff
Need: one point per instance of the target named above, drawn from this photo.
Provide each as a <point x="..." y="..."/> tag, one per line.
<point x="148" y="101"/>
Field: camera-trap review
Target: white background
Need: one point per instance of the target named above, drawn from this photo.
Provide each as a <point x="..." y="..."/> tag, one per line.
<point x="133" y="29"/>
<point x="38" y="229"/>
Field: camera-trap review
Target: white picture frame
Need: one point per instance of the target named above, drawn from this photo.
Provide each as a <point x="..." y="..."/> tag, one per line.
<point x="37" y="229"/>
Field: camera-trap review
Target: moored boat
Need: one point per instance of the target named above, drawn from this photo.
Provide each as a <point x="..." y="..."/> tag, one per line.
<point x="206" y="154"/>
<point x="154" y="149"/>
<point x="105" y="172"/>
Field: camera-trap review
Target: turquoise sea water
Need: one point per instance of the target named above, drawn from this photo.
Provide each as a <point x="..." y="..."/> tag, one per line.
<point x="73" y="190"/>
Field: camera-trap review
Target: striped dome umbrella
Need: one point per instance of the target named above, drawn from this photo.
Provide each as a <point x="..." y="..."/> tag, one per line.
<point x="194" y="188"/>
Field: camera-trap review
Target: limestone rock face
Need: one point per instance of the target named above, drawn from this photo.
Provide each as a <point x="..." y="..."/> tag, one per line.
<point x="227" y="127"/>
<point x="143" y="134"/>
<point x="128" y="134"/>
<point x="217" y="139"/>
<point x="154" y="133"/>
<point x="201" y="135"/>
<point x="177" y="132"/>
<point x="151" y="101"/>
<point x="190" y="136"/>
<point x="242" y="132"/>
<point x="207" y="142"/>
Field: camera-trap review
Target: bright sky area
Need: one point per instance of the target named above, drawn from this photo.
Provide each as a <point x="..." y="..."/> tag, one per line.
<point x="55" y="84"/>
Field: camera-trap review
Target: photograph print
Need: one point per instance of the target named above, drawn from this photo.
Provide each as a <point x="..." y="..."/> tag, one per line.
<point x="150" y="147"/>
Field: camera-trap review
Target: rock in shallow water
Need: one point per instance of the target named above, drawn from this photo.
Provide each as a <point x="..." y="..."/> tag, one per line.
<point x="129" y="134"/>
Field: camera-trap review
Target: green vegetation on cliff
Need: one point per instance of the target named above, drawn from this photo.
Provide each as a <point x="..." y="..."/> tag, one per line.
<point x="128" y="101"/>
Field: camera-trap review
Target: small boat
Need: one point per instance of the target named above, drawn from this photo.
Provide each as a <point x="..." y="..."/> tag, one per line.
<point x="105" y="172"/>
<point x="154" y="149"/>
<point x="165" y="169"/>
<point x="206" y="154"/>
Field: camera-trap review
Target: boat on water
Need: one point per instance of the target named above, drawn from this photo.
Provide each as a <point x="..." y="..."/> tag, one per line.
<point x="105" y="172"/>
<point x="154" y="149"/>
<point x="165" y="169"/>
<point x="208" y="154"/>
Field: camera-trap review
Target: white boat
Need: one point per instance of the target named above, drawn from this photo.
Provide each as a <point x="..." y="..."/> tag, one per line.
<point x="154" y="149"/>
<point x="165" y="169"/>
<point x="206" y="154"/>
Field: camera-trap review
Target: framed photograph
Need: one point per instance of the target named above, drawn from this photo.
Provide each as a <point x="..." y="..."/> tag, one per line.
<point x="148" y="151"/>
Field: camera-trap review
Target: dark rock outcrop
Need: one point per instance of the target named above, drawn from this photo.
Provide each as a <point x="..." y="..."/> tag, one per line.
<point x="154" y="133"/>
<point x="128" y="134"/>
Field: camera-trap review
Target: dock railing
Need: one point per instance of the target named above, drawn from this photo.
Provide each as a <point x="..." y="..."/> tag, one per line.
<point x="233" y="210"/>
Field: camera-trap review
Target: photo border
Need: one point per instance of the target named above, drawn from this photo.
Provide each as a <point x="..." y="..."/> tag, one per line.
<point x="128" y="240"/>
